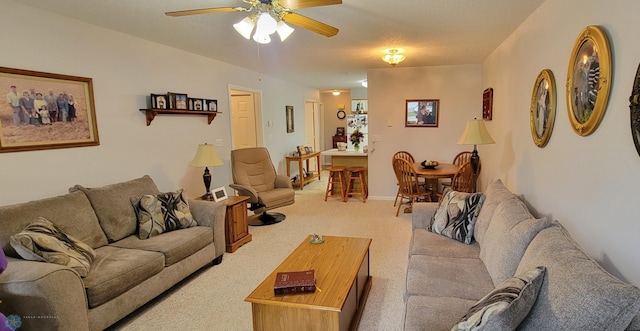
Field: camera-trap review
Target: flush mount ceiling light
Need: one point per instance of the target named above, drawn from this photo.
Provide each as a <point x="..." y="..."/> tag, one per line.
<point x="364" y="83"/>
<point x="393" y="56"/>
<point x="335" y="92"/>
<point x="269" y="16"/>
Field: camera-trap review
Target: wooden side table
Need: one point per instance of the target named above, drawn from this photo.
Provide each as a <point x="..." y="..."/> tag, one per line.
<point x="300" y="159"/>
<point x="236" y="223"/>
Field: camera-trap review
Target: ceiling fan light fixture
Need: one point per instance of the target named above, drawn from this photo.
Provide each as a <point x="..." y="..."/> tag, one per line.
<point x="266" y="24"/>
<point x="393" y="56"/>
<point x="261" y="38"/>
<point x="284" y="30"/>
<point x="245" y="27"/>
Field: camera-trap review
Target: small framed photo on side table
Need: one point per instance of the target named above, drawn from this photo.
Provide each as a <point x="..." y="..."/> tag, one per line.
<point x="219" y="194"/>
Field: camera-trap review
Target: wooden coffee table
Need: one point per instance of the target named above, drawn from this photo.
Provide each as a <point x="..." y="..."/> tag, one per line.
<point x="341" y="265"/>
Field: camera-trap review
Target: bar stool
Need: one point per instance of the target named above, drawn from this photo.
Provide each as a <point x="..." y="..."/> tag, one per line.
<point x="336" y="176"/>
<point x="355" y="174"/>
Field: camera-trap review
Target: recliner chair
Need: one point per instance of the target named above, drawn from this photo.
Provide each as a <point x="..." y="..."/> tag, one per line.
<point x="255" y="176"/>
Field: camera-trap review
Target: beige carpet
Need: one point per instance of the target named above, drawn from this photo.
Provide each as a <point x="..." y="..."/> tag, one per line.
<point x="213" y="299"/>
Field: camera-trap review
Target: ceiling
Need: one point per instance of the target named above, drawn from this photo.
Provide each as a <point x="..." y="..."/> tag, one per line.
<point x="431" y="32"/>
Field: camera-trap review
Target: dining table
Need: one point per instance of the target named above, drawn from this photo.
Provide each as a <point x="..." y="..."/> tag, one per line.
<point x="442" y="170"/>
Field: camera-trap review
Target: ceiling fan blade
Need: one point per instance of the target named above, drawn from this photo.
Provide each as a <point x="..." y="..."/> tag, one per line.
<point x="310" y="24"/>
<point x="297" y="4"/>
<point x="201" y="11"/>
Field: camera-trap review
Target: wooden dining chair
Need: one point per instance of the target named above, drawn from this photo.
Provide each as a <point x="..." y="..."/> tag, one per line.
<point x="405" y="156"/>
<point x="463" y="180"/>
<point x="460" y="159"/>
<point x="410" y="190"/>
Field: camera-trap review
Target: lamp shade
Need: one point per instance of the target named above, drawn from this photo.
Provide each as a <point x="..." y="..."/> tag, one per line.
<point x="475" y="134"/>
<point x="245" y="27"/>
<point x="284" y="31"/>
<point x="206" y="156"/>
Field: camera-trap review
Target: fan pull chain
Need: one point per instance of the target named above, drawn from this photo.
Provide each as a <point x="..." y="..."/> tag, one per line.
<point x="259" y="64"/>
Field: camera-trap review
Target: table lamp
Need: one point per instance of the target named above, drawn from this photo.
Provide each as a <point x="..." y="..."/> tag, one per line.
<point x="206" y="156"/>
<point x="475" y="134"/>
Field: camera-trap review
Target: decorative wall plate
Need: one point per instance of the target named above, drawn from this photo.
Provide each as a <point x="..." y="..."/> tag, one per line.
<point x="589" y="80"/>
<point x="543" y="108"/>
<point x="634" y="106"/>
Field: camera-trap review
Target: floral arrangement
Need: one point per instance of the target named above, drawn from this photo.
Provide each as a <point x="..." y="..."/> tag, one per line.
<point x="356" y="137"/>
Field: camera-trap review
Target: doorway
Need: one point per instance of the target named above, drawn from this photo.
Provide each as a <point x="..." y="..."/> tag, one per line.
<point x="246" y="118"/>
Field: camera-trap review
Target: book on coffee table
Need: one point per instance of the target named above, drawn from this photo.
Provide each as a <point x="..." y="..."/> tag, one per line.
<point x="291" y="282"/>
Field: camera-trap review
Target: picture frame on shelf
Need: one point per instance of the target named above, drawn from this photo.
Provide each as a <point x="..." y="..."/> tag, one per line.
<point x="301" y="150"/>
<point x="542" y="112"/>
<point x="196" y="104"/>
<point x="178" y="101"/>
<point x="340" y="131"/>
<point x="487" y="104"/>
<point x="219" y="194"/>
<point x="589" y="80"/>
<point x="422" y="113"/>
<point x="210" y="105"/>
<point x="158" y="101"/>
<point x="22" y="131"/>
<point x="289" y="119"/>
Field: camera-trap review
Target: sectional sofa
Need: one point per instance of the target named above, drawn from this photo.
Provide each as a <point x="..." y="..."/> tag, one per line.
<point x="123" y="271"/>
<point x="449" y="282"/>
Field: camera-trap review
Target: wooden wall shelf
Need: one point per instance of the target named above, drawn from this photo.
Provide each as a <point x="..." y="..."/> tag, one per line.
<point x="151" y="113"/>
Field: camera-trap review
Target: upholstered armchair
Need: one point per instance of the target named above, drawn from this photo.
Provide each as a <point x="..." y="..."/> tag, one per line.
<point x="255" y="176"/>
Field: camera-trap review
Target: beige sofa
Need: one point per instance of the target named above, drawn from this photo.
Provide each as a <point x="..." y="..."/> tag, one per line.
<point x="126" y="273"/>
<point x="446" y="277"/>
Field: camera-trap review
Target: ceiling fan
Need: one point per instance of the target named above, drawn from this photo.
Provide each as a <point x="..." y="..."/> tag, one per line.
<point x="272" y="13"/>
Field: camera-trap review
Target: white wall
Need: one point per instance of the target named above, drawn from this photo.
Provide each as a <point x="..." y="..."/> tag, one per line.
<point x="125" y="70"/>
<point x="460" y="94"/>
<point x="587" y="183"/>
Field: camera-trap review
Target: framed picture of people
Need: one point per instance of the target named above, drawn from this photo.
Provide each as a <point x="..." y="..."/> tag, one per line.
<point x="422" y="113"/>
<point x="589" y="80"/>
<point x="542" y="112"/>
<point x="46" y="111"/>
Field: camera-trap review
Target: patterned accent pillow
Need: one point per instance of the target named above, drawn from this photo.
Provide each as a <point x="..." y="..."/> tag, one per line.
<point x="42" y="240"/>
<point x="456" y="215"/>
<point x="161" y="213"/>
<point x="507" y="306"/>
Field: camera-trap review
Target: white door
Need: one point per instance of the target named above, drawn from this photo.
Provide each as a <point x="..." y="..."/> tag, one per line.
<point x="243" y="119"/>
<point x="312" y="128"/>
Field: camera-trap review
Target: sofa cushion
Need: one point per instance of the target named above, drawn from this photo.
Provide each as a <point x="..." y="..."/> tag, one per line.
<point x="456" y="215"/>
<point x="447" y="277"/>
<point x="175" y="245"/>
<point x="495" y="193"/>
<point x="113" y="208"/>
<point x="511" y="229"/>
<point x="117" y="270"/>
<point x="162" y="212"/>
<point x="434" y="313"/>
<point x="506" y="306"/>
<point x="577" y="294"/>
<point x="71" y="212"/>
<point x="424" y="242"/>
<point x="41" y="240"/>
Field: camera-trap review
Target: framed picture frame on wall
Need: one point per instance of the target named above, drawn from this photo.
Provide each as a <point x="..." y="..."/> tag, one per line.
<point x="588" y="80"/>
<point x="422" y="113"/>
<point x="542" y="112"/>
<point x="289" y="118"/>
<point x="487" y="104"/>
<point x="46" y="111"/>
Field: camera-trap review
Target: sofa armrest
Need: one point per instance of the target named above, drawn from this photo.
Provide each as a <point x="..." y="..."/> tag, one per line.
<point x="45" y="296"/>
<point x="211" y="214"/>
<point x="422" y="214"/>
<point x="283" y="181"/>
